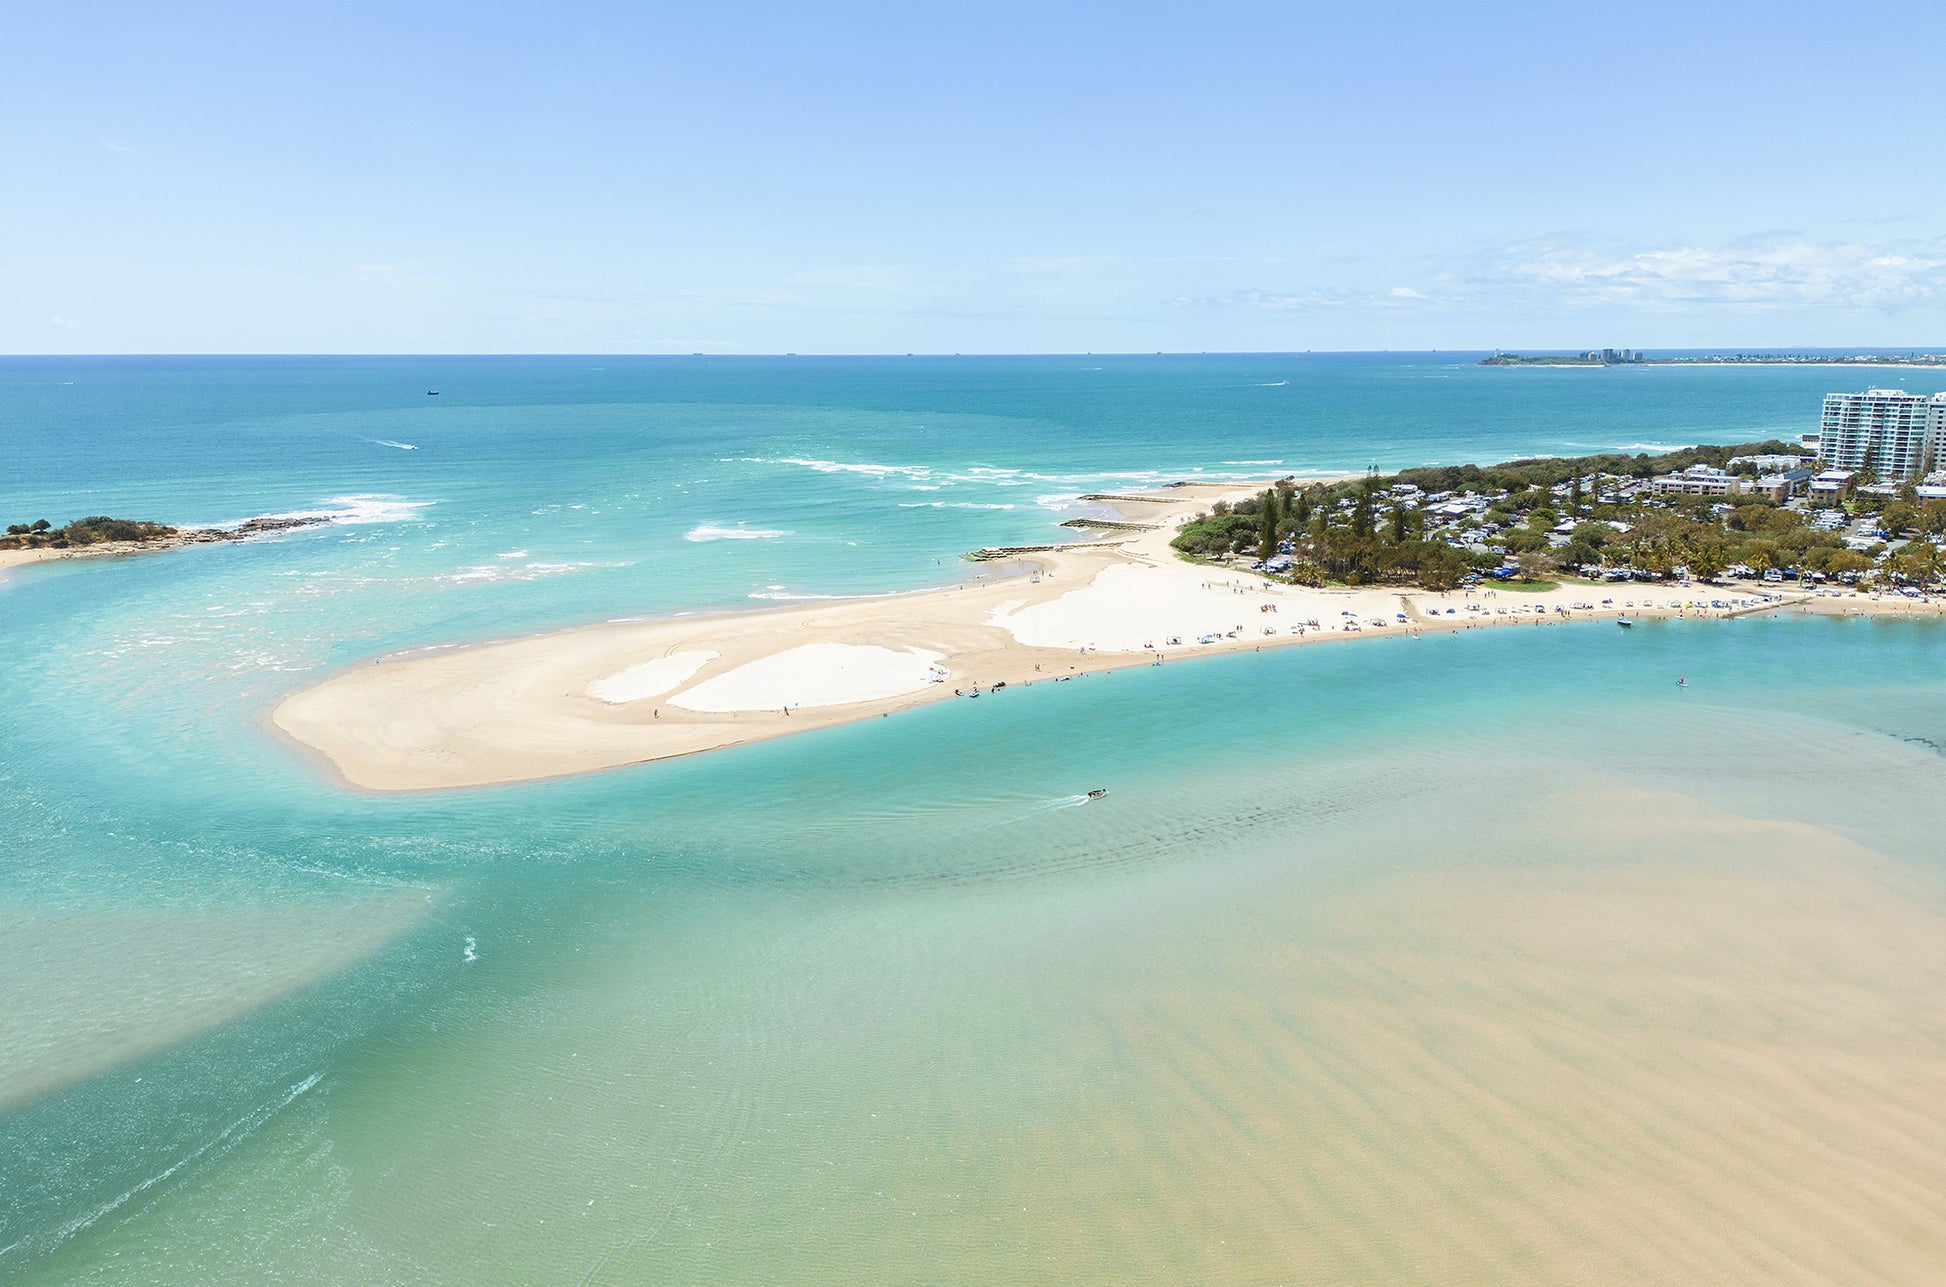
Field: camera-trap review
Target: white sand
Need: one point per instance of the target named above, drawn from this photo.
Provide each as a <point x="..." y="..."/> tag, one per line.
<point x="822" y="674"/>
<point x="520" y="709"/>
<point x="651" y="678"/>
<point x="1129" y="607"/>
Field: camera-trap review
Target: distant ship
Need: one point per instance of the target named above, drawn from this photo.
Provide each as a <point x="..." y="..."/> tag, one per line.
<point x="432" y="393"/>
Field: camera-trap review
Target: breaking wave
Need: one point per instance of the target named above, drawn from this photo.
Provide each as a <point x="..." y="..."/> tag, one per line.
<point x="715" y="532"/>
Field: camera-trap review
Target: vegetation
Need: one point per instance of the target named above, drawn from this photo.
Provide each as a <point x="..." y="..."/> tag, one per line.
<point x="1529" y="522"/>
<point x="95" y="530"/>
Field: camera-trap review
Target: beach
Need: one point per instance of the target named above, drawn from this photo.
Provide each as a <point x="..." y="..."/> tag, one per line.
<point x="605" y="696"/>
<point x="1453" y="954"/>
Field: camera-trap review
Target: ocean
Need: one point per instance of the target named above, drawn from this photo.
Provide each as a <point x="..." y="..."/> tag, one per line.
<point x="1472" y="957"/>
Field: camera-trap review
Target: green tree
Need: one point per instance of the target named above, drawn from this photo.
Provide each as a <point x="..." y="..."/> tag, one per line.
<point x="1361" y="513"/>
<point x="1843" y="562"/>
<point x="1534" y="565"/>
<point x="1705" y="559"/>
<point x="1301" y="510"/>
<point x="1520" y="540"/>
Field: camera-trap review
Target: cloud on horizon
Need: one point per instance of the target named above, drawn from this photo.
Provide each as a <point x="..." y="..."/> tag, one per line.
<point x="1772" y="270"/>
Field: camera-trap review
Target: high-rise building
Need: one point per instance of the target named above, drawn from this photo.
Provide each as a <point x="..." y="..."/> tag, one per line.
<point x="1889" y="431"/>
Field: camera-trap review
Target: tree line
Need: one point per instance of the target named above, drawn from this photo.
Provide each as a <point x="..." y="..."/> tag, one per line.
<point x="96" y="529"/>
<point x="1359" y="532"/>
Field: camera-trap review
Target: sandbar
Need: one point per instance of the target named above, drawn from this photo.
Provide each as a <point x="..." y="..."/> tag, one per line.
<point x="606" y="696"/>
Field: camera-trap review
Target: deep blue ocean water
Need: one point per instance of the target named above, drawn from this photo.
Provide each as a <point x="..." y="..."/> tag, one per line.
<point x="284" y="1031"/>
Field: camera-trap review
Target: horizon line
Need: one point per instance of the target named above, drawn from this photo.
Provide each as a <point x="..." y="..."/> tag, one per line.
<point x="1874" y="350"/>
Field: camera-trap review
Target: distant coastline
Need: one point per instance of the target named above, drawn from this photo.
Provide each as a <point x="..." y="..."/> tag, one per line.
<point x="1626" y="357"/>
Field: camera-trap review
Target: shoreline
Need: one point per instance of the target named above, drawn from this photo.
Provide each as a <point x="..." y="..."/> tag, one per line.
<point x="180" y="539"/>
<point x="607" y="696"/>
<point x="1679" y="362"/>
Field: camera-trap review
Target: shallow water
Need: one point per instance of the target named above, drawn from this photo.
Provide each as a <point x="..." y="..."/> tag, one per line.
<point x="1473" y="957"/>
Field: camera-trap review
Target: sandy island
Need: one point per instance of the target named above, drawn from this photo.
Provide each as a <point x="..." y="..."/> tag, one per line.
<point x="605" y="696"/>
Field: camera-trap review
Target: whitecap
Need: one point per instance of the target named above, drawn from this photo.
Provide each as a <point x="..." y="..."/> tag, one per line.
<point x="775" y="595"/>
<point x="525" y="572"/>
<point x="714" y="532"/>
<point x="870" y="470"/>
<point x="949" y="505"/>
<point x="351" y="511"/>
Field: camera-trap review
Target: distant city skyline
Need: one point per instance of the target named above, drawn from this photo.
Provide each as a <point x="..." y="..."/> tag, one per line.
<point x="357" y="178"/>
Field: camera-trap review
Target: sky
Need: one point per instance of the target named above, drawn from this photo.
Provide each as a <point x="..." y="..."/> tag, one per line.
<point x="978" y="178"/>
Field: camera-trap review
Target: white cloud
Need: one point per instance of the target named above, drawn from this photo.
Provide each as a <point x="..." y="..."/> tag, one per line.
<point x="1772" y="271"/>
<point x="1310" y="299"/>
<point x="1764" y="273"/>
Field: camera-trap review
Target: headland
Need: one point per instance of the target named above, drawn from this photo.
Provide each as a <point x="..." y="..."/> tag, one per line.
<point x="94" y="538"/>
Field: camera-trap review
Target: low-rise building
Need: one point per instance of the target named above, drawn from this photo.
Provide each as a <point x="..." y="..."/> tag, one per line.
<point x="1777" y="487"/>
<point x="1771" y="463"/>
<point x="1831" y="486"/>
<point x="1697" y="480"/>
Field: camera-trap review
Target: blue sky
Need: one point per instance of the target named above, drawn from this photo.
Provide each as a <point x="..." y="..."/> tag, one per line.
<point x="968" y="178"/>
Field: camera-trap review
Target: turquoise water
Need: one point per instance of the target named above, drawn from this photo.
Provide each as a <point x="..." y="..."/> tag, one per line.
<point x="806" y="1010"/>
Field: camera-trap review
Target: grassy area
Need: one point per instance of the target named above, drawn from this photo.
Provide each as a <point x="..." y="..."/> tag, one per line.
<point x="1532" y="587"/>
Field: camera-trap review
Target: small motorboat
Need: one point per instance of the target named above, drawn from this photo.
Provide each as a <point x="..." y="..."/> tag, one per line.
<point x="1097" y="793"/>
<point x="1624" y="623"/>
<point x="432" y="393"/>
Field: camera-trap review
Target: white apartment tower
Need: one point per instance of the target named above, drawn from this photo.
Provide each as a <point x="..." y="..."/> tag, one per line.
<point x="1896" y="433"/>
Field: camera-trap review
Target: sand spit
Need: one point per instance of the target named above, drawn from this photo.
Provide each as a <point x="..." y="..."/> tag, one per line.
<point x="604" y="696"/>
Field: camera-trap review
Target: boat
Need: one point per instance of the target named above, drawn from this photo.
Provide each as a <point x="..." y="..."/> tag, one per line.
<point x="432" y="393"/>
<point x="1097" y="793"/>
<point x="1624" y="623"/>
